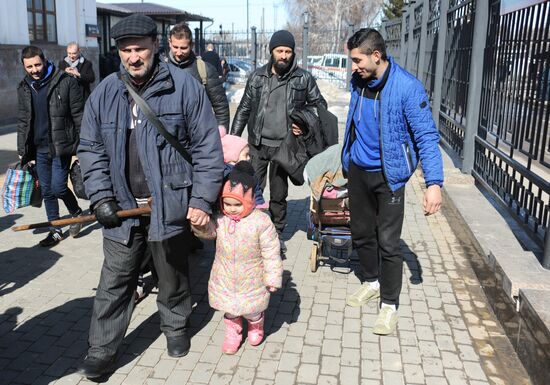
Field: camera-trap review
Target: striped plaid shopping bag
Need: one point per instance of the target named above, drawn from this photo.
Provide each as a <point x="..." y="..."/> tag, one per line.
<point x="17" y="189"/>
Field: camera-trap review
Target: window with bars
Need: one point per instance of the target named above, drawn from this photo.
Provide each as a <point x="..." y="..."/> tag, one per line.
<point x="41" y="20"/>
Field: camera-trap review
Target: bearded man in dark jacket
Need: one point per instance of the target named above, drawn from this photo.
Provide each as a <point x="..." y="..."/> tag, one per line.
<point x="271" y="95"/>
<point x="125" y="161"/>
<point x="182" y="56"/>
<point x="50" y="112"/>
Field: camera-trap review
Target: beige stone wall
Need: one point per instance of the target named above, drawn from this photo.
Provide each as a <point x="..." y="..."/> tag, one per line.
<point x="12" y="73"/>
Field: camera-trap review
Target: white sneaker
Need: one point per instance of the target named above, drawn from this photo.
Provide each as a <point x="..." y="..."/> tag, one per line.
<point x="363" y="295"/>
<point x="386" y="322"/>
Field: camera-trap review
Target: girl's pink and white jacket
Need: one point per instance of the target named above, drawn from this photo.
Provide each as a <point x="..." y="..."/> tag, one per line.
<point x="247" y="261"/>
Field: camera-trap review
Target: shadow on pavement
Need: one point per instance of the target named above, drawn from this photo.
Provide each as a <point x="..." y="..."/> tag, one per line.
<point x="53" y="343"/>
<point x="8" y="221"/>
<point x="21" y="265"/>
<point x="296" y="217"/>
<point x="200" y="264"/>
<point x="409" y="257"/>
<point x="47" y="345"/>
<point x="284" y="306"/>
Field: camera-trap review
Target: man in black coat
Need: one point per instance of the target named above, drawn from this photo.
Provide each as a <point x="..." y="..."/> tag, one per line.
<point x="273" y="92"/>
<point x="182" y="56"/>
<point x="50" y="112"/>
<point x="78" y="67"/>
<point x="212" y="57"/>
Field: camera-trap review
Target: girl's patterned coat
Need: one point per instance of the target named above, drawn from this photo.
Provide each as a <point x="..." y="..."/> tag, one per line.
<point x="247" y="261"/>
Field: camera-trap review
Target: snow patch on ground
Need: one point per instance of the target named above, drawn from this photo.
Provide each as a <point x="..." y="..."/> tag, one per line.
<point x="337" y="98"/>
<point x="235" y="94"/>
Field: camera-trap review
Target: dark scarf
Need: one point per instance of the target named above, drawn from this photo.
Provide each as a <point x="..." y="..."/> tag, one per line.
<point x="37" y="84"/>
<point x="182" y="64"/>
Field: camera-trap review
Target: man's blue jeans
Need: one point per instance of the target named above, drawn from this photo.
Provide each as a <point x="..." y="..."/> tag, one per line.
<point x="53" y="174"/>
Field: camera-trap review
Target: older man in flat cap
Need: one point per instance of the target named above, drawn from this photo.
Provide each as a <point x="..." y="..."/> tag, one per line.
<point x="125" y="161"/>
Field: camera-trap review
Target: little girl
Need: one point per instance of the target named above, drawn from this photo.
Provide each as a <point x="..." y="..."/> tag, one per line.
<point x="247" y="266"/>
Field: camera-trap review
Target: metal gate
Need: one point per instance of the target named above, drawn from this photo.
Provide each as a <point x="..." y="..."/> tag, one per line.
<point x="512" y="153"/>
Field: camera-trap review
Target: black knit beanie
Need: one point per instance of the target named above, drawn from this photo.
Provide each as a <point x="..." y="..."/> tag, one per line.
<point x="242" y="173"/>
<point x="281" y="38"/>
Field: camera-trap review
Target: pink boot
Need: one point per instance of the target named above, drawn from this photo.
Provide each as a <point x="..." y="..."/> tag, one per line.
<point x="233" y="336"/>
<point x="256" y="331"/>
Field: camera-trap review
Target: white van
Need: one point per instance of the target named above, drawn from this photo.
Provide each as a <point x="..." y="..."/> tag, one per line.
<point x="335" y="62"/>
<point x="332" y="66"/>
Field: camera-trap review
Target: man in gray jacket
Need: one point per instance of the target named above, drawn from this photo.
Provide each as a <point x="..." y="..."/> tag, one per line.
<point x="125" y="162"/>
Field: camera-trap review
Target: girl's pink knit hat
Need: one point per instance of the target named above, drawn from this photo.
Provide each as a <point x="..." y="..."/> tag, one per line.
<point x="232" y="146"/>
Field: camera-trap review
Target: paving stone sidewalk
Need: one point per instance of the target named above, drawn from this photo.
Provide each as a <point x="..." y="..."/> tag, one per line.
<point x="445" y="335"/>
<point x="446" y="332"/>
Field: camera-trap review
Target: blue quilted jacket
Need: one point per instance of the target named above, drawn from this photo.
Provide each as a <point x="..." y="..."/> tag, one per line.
<point x="407" y="130"/>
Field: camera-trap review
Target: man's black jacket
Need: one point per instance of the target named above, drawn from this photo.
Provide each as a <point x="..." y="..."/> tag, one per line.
<point x="65" y="105"/>
<point x="87" y="75"/>
<point x="213" y="87"/>
<point x="301" y="90"/>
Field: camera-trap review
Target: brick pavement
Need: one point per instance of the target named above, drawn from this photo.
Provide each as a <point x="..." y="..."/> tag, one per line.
<point x="446" y="332"/>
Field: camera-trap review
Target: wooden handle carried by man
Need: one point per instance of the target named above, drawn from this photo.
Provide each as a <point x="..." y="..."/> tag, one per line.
<point x="83" y="219"/>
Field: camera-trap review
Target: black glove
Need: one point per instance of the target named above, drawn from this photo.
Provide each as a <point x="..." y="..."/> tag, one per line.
<point x="105" y="214"/>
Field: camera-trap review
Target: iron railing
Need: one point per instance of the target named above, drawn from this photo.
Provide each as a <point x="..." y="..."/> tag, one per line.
<point x="432" y="35"/>
<point x="512" y="146"/>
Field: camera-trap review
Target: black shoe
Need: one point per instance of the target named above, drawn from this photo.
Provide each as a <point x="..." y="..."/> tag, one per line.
<point x="75" y="228"/>
<point x="53" y="238"/>
<point x="93" y="367"/>
<point x="178" y="346"/>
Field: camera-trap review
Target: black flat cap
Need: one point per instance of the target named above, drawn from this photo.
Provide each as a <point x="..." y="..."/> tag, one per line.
<point x="135" y="25"/>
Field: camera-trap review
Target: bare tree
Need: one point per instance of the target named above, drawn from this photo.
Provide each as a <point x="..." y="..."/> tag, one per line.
<point x="329" y="20"/>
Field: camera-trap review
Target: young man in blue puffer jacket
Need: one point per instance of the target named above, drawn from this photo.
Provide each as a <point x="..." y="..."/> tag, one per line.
<point x="388" y="130"/>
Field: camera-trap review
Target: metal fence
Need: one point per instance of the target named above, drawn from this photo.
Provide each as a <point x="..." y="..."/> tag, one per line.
<point x="490" y="95"/>
<point x="240" y="44"/>
<point x="323" y="55"/>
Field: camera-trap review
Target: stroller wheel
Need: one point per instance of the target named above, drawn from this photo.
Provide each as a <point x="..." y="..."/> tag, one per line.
<point x="313" y="258"/>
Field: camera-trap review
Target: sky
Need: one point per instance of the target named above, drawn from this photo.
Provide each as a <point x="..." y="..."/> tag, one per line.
<point x="229" y="13"/>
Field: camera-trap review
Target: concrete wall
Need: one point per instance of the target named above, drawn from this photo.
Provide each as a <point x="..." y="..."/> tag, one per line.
<point x="13" y="24"/>
<point x="72" y="17"/>
<point x="12" y="73"/>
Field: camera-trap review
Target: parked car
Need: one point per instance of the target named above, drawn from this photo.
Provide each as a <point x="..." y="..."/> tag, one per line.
<point x="238" y="71"/>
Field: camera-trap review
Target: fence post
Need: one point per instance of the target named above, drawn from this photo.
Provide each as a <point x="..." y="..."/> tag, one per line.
<point x="305" y="40"/>
<point x="351" y="31"/>
<point x="481" y="19"/>
<point x="423" y="37"/>
<point x="410" y="48"/>
<point x="440" y="60"/>
<point x="254" y="48"/>
<point x="402" y="49"/>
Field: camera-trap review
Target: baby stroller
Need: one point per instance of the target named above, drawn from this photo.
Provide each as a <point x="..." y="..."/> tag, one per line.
<point x="328" y="219"/>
